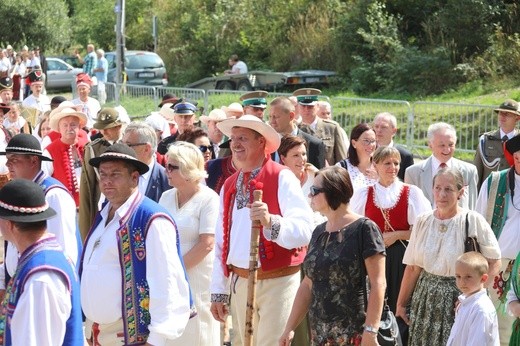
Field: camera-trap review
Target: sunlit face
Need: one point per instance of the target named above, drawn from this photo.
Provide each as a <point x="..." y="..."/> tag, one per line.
<point x="308" y="113"/>
<point x="173" y="173"/>
<point x="45" y="128"/>
<point x="205" y="147"/>
<point x="13" y="114"/>
<point x="247" y="146"/>
<point x="296" y="159"/>
<point x="83" y="92"/>
<point x="256" y="111"/>
<point x="21" y="166"/>
<point x="384" y="131"/>
<point x="116" y="182"/>
<point x="213" y="132"/>
<point x="445" y="193"/>
<point x="111" y="134"/>
<point x="366" y="144"/>
<point x="184" y="121"/>
<point x="36" y="88"/>
<point x="68" y="127"/>
<point x="443" y="145"/>
<point x="280" y="120"/>
<point x="141" y="149"/>
<point x="388" y="168"/>
<point x="467" y="279"/>
<point x="507" y="120"/>
<point x="324" y="111"/>
<point x="318" y="201"/>
<point x="6" y="95"/>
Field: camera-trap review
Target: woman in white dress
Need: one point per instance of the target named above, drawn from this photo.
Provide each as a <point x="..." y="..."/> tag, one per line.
<point x="194" y="208"/>
<point x="359" y="160"/>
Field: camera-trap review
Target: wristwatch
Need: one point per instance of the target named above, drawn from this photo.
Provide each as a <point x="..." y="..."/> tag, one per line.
<point x="371" y="329"/>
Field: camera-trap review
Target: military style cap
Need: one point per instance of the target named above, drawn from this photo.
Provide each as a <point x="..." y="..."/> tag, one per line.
<point x="510" y="106"/>
<point x="36" y="76"/>
<point x="184" y="108"/>
<point x="107" y="118"/>
<point x="255" y="99"/>
<point x="6" y="83"/>
<point x="307" y="96"/>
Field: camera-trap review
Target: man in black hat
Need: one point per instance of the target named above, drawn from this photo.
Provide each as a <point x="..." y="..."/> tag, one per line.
<point x="489" y="156"/>
<point x="110" y="124"/>
<point x="45" y="289"/>
<point x="255" y="103"/>
<point x="133" y="283"/>
<point x="6" y="90"/>
<point x="499" y="203"/>
<point x="24" y="161"/>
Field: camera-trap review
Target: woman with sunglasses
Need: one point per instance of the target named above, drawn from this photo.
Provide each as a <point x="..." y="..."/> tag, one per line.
<point x="194" y="208"/>
<point x="341" y="252"/>
<point x="200" y="138"/>
<point x="359" y="160"/>
<point x="393" y="206"/>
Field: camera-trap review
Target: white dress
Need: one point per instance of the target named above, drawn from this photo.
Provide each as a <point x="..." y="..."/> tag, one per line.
<point x="197" y="216"/>
<point x="357" y="178"/>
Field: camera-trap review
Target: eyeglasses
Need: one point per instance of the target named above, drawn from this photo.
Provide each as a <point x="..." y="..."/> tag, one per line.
<point x="131" y="145"/>
<point x="170" y="168"/>
<point x="316" y="190"/>
<point x="367" y="142"/>
<point x="205" y="148"/>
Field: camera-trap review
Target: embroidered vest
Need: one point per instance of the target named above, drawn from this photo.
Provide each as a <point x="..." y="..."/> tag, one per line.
<point x="498" y="194"/>
<point x="218" y="171"/>
<point x="271" y="255"/>
<point x="396" y="215"/>
<point x="45" y="255"/>
<point x="131" y="237"/>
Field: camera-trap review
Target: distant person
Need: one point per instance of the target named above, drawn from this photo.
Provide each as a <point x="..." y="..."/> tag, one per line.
<point x="324" y="110"/>
<point x="6" y="90"/>
<point x="234" y="110"/>
<point x="237" y="66"/>
<point x="101" y="73"/>
<point x="37" y="99"/>
<point x="255" y="103"/>
<point x="89" y="62"/>
<point x="89" y="105"/>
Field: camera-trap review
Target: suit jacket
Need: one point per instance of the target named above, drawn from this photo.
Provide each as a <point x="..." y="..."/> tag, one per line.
<point x="315" y="149"/>
<point x="406" y="160"/>
<point x="158" y="183"/>
<point x="420" y="175"/>
<point x="489" y="155"/>
<point x="329" y="132"/>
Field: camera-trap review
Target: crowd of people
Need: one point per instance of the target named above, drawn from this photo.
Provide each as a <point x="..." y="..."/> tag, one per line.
<point x="144" y="227"/>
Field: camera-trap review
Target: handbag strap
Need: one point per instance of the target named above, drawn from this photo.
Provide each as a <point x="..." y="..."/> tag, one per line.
<point x="467" y="225"/>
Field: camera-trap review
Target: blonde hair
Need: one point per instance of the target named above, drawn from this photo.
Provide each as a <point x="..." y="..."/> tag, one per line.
<point x="475" y="261"/>
<point x="189" y="158"/>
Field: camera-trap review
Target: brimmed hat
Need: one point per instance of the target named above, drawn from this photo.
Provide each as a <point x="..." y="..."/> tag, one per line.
<point x="234" y="107"/>
<point x="83" y="79"/>
<point x="24" y="201"/>
<point x="66" y="109"/>
<point x="6" y="83"/>
<point x="307" y="96"/>
<point x="120" y="152"/>
<point x="36" y="76"/>
<point x="25" y="144"/>
<point x="167" y="111"/>
<point x="184" y="108"/>
<point x="169" y="98"/>
<point x="249" y="121"/>
<point x="215" y="115"/>
<point x="107" y="118"/>
<point x="510" y="106"/>
<point x="255" y="99"/>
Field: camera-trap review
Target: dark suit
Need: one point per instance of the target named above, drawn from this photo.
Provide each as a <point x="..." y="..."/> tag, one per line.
<point x="157" y="183"/>
<point x="406" y="160"/>
<point x="315" y="149"/>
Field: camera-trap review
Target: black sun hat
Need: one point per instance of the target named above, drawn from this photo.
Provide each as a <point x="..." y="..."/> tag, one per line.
<point x="120" y="152"/>
<point x="23" y="200"/>
<point x="25" y="144"/>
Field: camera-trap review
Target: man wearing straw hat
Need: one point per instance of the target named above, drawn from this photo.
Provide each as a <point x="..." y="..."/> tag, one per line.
<point x="42" y="304"/>
<point x="134" y="289"/>
<point x="24" y="160"/>
<point x="214" y="134"/>
<point x="286" y="221"/>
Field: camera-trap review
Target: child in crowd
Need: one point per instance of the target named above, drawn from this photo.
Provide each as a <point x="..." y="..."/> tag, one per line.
<point x="476" y="318"/>
<point x="13" y="121"/>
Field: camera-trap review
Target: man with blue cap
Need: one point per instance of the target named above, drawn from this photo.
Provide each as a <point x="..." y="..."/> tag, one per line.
<point x="184" y="116"/>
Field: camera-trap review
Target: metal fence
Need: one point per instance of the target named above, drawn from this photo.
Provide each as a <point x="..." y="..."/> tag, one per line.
<point x="470" y="120"/>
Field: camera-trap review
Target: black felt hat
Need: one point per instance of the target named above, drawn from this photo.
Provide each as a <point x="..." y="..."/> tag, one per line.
<point x="23" y="200"/>
<point x="513" y="145"/>
<point x="120" y="152"/>
<point x="25" y="144"/>
<point x="6" y="83"/>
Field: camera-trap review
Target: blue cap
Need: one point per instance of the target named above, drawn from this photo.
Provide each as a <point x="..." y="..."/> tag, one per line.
<point x="184" y="108"/>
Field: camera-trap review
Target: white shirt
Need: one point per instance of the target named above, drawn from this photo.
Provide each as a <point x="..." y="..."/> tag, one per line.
<point x="476" y="322"/>
<point x="90" y="108"/>
<point x="295" y="229"/>
<point x="42" y="311"/>
<point x="42" y="103"/>
<point x="509" y="240"/>
<point x="239" y="67"/>
<point x="387" y="197"/>
<point x="436" y="165"/>
<point x="101" y="278"/>
<point x="145" y="178"/>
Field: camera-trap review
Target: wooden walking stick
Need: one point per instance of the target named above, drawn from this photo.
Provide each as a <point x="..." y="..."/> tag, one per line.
<point x="253" y="266"/>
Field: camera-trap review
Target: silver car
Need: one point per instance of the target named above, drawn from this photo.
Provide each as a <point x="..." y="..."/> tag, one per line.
<point x="60" y="75"/>
<point x="141" y="67"/>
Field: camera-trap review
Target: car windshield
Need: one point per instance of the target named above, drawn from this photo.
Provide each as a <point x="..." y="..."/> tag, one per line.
<point x="143" y="61"/>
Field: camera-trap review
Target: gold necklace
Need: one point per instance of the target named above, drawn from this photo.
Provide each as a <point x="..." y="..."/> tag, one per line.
<point x="443" y="227"/>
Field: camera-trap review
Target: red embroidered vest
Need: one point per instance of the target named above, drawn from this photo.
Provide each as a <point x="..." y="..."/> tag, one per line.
<point x="396" y="215"/>
<point x="271" y="255"/>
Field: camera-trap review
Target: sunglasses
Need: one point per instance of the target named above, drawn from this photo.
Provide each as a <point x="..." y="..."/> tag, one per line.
<point x="205" y="148"/>
<point x="316" y="190"/>
<point x="170" y="168"/>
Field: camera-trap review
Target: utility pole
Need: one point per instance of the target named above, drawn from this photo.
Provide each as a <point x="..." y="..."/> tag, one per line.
<point x="155" y="33"/>
<point x="119" y="9"/>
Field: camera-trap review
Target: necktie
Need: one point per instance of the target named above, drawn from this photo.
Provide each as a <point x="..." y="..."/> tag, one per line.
<point x="442" y="166"/>
<point x="505" y="138"/>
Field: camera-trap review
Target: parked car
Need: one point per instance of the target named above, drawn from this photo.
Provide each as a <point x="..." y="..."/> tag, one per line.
<point x="142" y="68"/>
<point x="60" y="75"/>
<point x="71" y="60"/>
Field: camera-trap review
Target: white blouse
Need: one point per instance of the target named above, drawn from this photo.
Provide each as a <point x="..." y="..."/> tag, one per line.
<point x="357" y="178"/>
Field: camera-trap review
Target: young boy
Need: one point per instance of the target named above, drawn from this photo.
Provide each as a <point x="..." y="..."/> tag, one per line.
<point x="476" y="318"/>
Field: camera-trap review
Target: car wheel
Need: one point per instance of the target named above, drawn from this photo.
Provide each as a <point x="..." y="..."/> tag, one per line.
<point x="244" y="85"/>
<point x="226" y="85"/>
